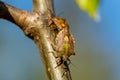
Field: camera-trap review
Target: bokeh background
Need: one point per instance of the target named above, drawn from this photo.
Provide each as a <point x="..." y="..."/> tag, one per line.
<point x="97" y="44"/>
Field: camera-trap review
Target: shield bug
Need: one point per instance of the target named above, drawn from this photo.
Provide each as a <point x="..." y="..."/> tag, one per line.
<point x="64" y="41"/>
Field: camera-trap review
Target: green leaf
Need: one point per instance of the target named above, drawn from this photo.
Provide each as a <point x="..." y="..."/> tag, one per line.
<point x="89" y="6"/>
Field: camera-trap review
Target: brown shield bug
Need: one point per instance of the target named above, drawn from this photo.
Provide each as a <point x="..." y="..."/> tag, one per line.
<point x="64" y="41"/>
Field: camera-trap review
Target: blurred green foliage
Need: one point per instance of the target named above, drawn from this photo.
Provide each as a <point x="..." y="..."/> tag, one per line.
<point x="89" y="6"/>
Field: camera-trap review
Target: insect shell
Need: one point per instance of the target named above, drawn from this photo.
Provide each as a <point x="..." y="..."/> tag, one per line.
<point x="64" y="40"/>
<point x="64" y="44"/>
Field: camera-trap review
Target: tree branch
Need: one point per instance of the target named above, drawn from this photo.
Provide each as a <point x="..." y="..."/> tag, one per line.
<point x="37" y="6"/>
<point x="35" y="26"/>
<point x="9" y="12"/>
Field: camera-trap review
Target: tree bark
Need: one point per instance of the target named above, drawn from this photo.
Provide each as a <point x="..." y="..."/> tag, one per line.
<point x="35" y="25"/>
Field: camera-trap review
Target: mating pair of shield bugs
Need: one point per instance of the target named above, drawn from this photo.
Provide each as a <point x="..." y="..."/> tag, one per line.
<point x="64" y="41"/>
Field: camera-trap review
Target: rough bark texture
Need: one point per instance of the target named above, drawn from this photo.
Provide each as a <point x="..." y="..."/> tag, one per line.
<point x="35" y="25"/>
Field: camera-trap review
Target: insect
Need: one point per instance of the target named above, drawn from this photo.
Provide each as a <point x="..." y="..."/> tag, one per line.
<point x="64" y="41"/>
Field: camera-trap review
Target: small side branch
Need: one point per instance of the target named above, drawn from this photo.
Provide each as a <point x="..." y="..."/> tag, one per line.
<point x="9" y="12"/>
<point x="21" y="18"/>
